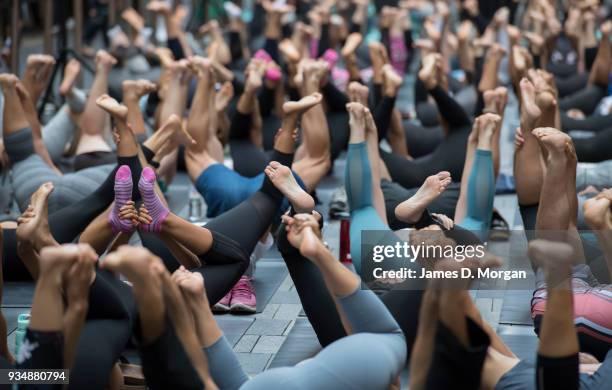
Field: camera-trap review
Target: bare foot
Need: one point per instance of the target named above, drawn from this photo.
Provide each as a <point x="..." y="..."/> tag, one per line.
<point x="290" y="52"/>
<point x="179" y="70"/>
<point x="555" y="258"/>
<point x="160" y="7"/>
<point x="254" y="80"/>
<point x="71" y="72"/>
<point x="391" y="80"/>
<point x="598" y="212"/>
<point x="171" y="133"/>
<point x="200" y="65"/>
<point x="303" y="233"/>
<point x="137" y="88"/>
<point x="165" y="56"/>
<point x="535" y="40"/>
<point x="190" y="283"/>
<point x="554" y="141"/>
<point x="224" y="96"/>
<point x="135" y="263"/>
<point x="428" y="73"/>
<point x="502" y="99"/>
<point x="352" y="43"/>
<point x="302" y="105"/>
<point x="489" y="123"/>
<point x="8" y="81"/>
<point x="356" y="117"/>
<point x="358" y="93"/>
<point x="33" y="226"/>
<point x="111" y="106"/>
<point x="411" y="210"/>
<point x="104" y="61"/>
<point x="54" y="261"/>
<point x="530" y="112"/>
<point x="283" y="179"/>
<point x="39" y="68"/>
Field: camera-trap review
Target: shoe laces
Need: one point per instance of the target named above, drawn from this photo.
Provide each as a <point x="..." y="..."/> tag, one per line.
<point x="243" y="288"/>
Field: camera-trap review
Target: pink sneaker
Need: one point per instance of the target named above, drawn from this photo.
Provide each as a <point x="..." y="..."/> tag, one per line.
<point x="223" y="305"/>
<point x="243" y="296"/>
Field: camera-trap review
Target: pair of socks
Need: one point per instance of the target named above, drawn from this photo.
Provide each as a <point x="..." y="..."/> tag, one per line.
<point x="123" y="194"/>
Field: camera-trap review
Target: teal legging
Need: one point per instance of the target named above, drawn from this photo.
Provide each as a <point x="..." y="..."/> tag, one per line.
<point x="480" y="196"/>
<point x="370" y="358"/>
<point x="358" y="183"/>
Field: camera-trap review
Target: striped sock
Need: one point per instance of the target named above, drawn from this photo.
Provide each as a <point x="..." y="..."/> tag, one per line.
<point x="123" y="193"/>
<point x="157" y="210"/>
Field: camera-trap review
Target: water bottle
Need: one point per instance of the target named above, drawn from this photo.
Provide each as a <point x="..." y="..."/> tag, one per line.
<point x="22" y="324"/>
<point x="195" y="206"/>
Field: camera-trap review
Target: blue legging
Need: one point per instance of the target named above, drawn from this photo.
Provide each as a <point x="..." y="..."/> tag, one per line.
<point x="358" y="183"/>
<point x="480" y="196"/>
<point x="370" y="358"/>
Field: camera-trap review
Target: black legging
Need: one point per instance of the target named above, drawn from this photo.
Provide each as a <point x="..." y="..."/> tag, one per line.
<point x="585" y="100"/>
<point x="593" y="122"/>
<point x="319" y="305"/>
<point x="449" y="155"/>
<point x="594" y="149"/>
<point x="235" y="234"/>
<point x="558" y="372"/>
<point x="110" y="322"/>
<point x="66" y="224"/>
<point x="395" y="194"/>
<point x="454" y="363"/>
<point x="248" y="159"/>
<point x="420" y="140"/>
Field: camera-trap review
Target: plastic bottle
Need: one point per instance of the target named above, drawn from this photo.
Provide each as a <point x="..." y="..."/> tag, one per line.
<point x="22" y="324"/>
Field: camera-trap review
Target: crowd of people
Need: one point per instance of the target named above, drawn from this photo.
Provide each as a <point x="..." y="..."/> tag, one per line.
<point x="282" y="96"/>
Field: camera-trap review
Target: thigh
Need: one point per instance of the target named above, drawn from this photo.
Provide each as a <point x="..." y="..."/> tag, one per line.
<point x="28" y="175"/>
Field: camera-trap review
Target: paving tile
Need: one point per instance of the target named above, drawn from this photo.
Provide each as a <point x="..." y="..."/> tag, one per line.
<point x="269" y="344"/>
<point x="269" y="311"/>
<point x="290" y="296"/>
<point x="246" y="343"/>
<point x="253" y="363"/>
<point x="268" y="327"/>
<point x="289" y="327"/>
<point x="288" y="311"/>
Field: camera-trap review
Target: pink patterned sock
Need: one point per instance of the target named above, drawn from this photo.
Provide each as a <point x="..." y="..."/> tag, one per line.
<point x="123" y="194"/>
<point x="273" y="74"/>
<point x="157" y="210"/>
<point x="261" y="54"/>
<point x="331" y="57"/>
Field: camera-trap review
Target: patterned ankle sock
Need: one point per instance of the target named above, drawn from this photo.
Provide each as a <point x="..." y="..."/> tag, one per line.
<point x="157" y="210"/>
<point x="123" y="194"/>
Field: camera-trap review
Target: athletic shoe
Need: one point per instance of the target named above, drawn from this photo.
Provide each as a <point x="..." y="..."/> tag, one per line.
<point x="338" y="205"/>
<point x="500" y="230"/>
<point x="223" y="306"/>
<point x="243" y="296"/>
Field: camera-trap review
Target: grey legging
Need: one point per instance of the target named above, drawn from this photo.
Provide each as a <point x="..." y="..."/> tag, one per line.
<point x="29" y="171"/>
<point x="61" y="128"/>
<point x="371" y="358"/>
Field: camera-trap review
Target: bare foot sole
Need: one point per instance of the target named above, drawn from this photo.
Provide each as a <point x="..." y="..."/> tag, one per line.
<point x="352" y="43"/>
<point x="138" y="88"/>
<point x="427" y="74"/>
<point x="8" y="80"/>
<point x="111" y="106"/>
<point x="224" y="96"/>
<point x="551" y="255"/>
<point x="412" y="209"/>
<point x="36" y="229"/>
<point x="530" y="112"/>
<point x="302" y="105"/>
<point x="552" y="139"/>
<point x="283" y="179"/>
<point x="73" y="68"/>
<point x="598" y="214"/>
